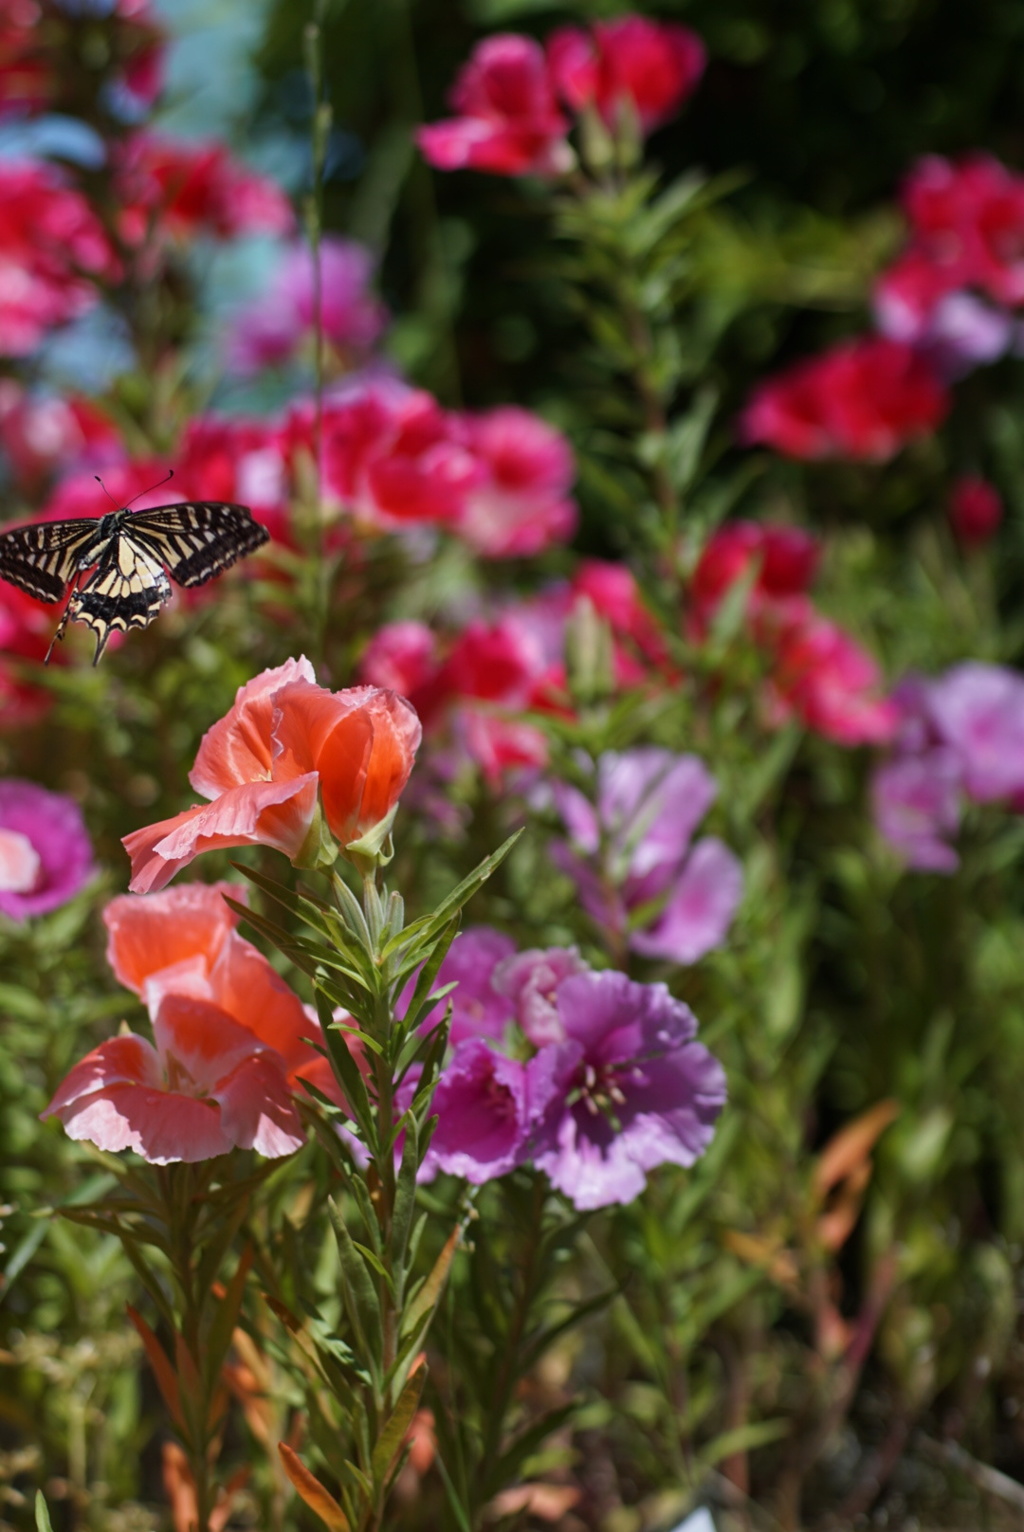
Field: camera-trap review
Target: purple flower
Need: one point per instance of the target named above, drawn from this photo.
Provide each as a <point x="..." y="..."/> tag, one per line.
<point x="978" y="710"/>
<point x="478" y="1009"/>
<point x="628" y="1090"/>
<point x="916" y="802"/>
<point x="267" y="333"/>
<point x="481" y="1107"/>
<point x="530" y="980"/>
<point x="45" y="851"/>
<point x="632" y="858"/>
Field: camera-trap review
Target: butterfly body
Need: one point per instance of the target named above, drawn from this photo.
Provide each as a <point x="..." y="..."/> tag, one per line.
<point x="117" y="565"/>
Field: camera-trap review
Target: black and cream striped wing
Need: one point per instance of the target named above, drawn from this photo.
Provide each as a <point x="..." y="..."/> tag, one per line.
<point x="197" y="539"/>
<point x="125" y="591"/>
<point x="43" y="558"/>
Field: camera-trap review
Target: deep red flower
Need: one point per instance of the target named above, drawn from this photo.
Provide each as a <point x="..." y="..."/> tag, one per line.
<point x="647" y="67"/>
<point x="865" y="399"/>
<point x="181" y="189"/>
<point x="785" y="560"/>
<point x="240" y="460"/>
<point x="509" y="122"/>
<point x="975" y="510"/>
<point x="967" y="220"/>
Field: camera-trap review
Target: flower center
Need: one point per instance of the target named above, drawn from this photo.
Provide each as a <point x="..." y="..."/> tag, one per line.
<point x="597" y="1087"/>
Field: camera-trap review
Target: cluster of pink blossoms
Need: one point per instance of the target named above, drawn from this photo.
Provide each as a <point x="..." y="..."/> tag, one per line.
<point x="948" y="304"/>
<point x="514" y="97"/>
<point x="56" y="257"/>
<point x="392" y="459"/>
<point x="959" y="736"/>
<point x="45" y="850"/>
<point x="817" y="672"/>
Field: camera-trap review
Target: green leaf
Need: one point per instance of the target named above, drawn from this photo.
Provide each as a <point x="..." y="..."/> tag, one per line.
<point x="361" y="1303"/>
<point x="422" y="1307"/>
<point x="526" y="1444"/>
<point x="390" y="1443"/>
<point x="430" y="926"/>
<point x="43" y="1522"/>
<point x="427" y="975"/>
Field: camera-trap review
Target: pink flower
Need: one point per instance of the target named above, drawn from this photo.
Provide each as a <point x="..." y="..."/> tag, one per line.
<point x="53" y="252"/>
<point x="975" y="510"/>
<point x="207" y="1087"/>
<point x="42" y="434"/>
<point x="509" y="122"/>
<point x="978" y="711"/>
<point x="267" y="333"/>
<point x="823" y="677"/>
<point x="647" y="67"/>
<point x="967" y="219"/>
<point x="916" y="805"/>
<point x="865" y="399"/>
<point x="45" y="851"/>
<point x="784" y="561"/>
<point x="285" y="745"/>
<point x="478" y="1009"/>
<point x="638" y="871"/>
<point x="237" y="460"/>
<point x="186" y="188"/>
<point x="482" y="1104"/>
<point x="530" y="981"/>
<point x="391" y="455"/>
<point x="521" y="505"/>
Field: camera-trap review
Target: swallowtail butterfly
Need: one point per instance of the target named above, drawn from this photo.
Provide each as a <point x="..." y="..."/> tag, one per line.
<point x="116" y="565"/>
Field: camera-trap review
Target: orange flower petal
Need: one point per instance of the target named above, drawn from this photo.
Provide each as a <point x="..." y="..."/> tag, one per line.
<point x="148" y="935"/>
<point x="239" y="748"/>
<point x="277" y="814"/>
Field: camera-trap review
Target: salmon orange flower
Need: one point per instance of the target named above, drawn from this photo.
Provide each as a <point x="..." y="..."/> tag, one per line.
<point x="234" y="1045"/>
<point x="285" y="745"/>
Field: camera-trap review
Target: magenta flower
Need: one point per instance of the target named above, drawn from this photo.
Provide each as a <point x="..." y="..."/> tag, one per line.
<point x="634" y="63"/>
<point x="481" y="1107"/>
<point x="521" y="503"/>
<point x="267" y="333"/>
<point x="632" y="858"/>
<point x="45" y="851"/>
<point x="629" y="1090"/>
<point x="509" y="122"/>
<point x="478" y="1009"/>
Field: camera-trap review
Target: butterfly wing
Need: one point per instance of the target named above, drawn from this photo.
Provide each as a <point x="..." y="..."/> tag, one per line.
<point x="198" y="539"/>
<point x="44" y="557"/>
<point x="126" y="590"/>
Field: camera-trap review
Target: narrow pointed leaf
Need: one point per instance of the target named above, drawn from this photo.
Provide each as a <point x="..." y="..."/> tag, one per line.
<point x="309" y="1489"/>
<point x="391" y="1442"/>
<point x="425" y="1301"/>
<point x="160" y="1362"/>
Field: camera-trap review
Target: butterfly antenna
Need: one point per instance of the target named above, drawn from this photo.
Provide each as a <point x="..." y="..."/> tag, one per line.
<point x="169" y="475"/>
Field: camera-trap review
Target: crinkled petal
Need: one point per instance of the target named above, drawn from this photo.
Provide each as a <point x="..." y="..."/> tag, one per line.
<point x="201" y="1039"/>
<point x="480" y="1105"/>
<point x="121" y="1060"/>
<point x="239" y="748"/>
<point x="277" y="814"/>
<point x="162" y="1126"/>
<point x="257" y="1108"/>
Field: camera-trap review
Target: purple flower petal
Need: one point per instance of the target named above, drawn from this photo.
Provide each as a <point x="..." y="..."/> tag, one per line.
<point x="700" y="908"/>
<point x="480" y="1102"/>
<point x="979" y="711"/>
<point x="478" y="1010"/>
<point x="916" y="803"/>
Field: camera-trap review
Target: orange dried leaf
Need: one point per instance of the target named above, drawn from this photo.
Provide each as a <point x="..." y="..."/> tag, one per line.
<point x="309" y="1488"/>
<point x="852" y="1145"/>
<point x="164" y="1373"/>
